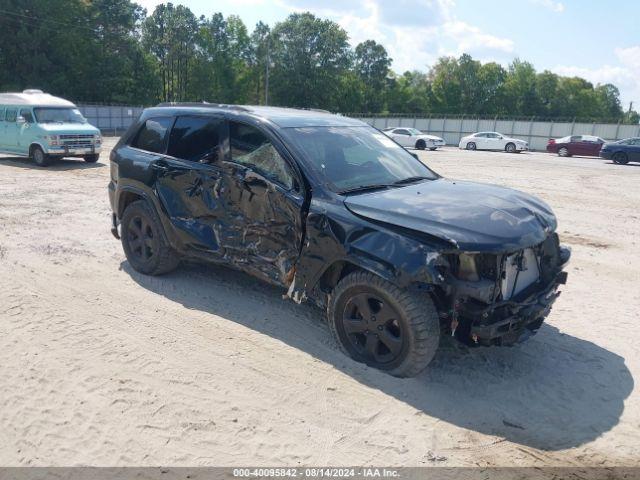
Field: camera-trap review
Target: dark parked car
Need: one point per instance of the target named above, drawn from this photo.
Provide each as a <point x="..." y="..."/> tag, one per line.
<point x="623" y="151"/>
<point x="334" y="211"/>
<point x="584" y="145"/>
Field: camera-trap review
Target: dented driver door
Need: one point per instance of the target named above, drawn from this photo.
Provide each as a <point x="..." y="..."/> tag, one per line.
<point x="263" y="227"/>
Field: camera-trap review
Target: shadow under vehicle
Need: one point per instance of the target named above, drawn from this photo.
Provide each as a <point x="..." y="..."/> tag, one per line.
<point x="335" y="211"/>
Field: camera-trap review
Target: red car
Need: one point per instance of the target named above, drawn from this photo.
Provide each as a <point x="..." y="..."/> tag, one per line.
<point x="586" y="145"/>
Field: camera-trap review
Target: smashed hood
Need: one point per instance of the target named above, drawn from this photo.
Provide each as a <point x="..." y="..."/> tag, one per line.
<point x="472" y="217"/>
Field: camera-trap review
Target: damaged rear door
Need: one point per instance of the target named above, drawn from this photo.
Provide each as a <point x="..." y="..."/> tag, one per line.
<point x="188" y="181"/>
<point x="264" y="202"/>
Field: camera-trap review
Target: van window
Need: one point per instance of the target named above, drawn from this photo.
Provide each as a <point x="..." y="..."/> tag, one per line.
<point x="1" y="114"/>
<point x="250" y="147"/>
<point x="11" y="115"/>
<point x="152" y="137"/>
<point x="195" y="139"/>
<point x="27" y="115"/>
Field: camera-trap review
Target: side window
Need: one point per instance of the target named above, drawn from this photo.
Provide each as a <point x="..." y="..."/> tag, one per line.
<point x="575" y="138"/>
<point x="11" y="115"/>
<point x="27" y="115"/>
<point x="152" y="137"/>
<point x="196" y="139"/>
<point x="401" y="132"/>
<point x="250" y="147"/>
<point x="480" y="135"/>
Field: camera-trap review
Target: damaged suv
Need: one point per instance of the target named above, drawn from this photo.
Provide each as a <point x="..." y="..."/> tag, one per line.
<point x="336" y="212"/>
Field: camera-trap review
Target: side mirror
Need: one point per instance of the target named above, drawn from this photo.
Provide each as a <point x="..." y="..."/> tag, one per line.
<point x="20" y="119"/>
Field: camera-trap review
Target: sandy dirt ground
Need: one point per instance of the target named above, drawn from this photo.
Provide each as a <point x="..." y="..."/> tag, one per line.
<point x="100" y="365"/>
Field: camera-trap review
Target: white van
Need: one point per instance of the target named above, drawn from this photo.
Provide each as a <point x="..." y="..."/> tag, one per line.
<point x="43" y="127"/>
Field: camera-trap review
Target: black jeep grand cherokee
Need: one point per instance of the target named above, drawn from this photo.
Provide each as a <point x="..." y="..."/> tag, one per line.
<point x="334" y="211"/>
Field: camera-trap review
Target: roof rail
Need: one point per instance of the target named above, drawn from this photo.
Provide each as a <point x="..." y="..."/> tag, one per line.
<point x="202" y="104"/>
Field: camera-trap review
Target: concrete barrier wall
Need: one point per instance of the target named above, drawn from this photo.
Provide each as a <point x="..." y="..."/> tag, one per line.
<point x="111" y="120"/>
<point x="114" y="120"/>
<point x="535" y="132"/>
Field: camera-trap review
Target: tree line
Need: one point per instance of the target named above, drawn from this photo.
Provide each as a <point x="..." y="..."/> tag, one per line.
<point x="113" y="51"/>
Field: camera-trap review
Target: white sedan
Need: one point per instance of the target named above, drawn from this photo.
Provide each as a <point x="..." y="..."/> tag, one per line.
<point x="493" y="141"/>
<point x="414" y="138"/>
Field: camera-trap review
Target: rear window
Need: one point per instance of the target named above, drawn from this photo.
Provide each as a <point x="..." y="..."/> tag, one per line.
<point x="152" y="136"/>
<point x="196" y="139"/>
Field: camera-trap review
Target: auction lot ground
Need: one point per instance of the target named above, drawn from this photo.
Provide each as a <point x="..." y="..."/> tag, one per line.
<point x="100" y="365"/>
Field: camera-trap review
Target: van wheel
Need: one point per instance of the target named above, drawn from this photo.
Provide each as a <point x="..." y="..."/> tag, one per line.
<point x="91" y="158"/>
<point x="383" y="326"/>
<point x="144" y="242"/>
<point x="39" y="157"/>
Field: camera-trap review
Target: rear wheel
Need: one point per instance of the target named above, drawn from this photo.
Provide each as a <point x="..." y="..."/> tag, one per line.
<point x="143" y="241"/>
<point x="39" y="157"/>
<point x="383" y="326"/>
<point x="563" y="152"/>
<point x="471" y="146"/>
<point x="510" y="147"/>
<point x="421" y="145"/>
<point x="91" y="158"/>
<point x="620" y="158"/>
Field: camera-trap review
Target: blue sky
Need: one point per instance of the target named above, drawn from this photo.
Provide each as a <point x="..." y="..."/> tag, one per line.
<point x="598" y="40"/>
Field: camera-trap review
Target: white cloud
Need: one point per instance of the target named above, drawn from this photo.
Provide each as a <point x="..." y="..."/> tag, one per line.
<point x="414" y="32"/>
<point x="624" y="75"/>
<point x="557" y="7"/>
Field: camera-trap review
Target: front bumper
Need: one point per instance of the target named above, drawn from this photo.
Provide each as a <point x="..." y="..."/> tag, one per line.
<point x="606" y="154"/>
<point x="515" y="317"/>
<point x="522" y="148"/>
<point x="70" y="151"/>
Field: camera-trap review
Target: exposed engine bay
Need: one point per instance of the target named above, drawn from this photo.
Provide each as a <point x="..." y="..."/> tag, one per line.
<point x="493" y="299"/>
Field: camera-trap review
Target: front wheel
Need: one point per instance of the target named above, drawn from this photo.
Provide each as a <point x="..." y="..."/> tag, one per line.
<point x="471" y="146"/>
<point x="383" y="326"/>
<point x="510" y="148"/>
<point x="143" y="241"/>
<point x="39" y="157"/>
<point x="420" y="144"/>
<point x="91" y="158"/>
<point x="620" y="158"/>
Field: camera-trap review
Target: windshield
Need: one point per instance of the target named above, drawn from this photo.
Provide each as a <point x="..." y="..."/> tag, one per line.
<point x="59" y="115"/>
<point x="355" y="157"/>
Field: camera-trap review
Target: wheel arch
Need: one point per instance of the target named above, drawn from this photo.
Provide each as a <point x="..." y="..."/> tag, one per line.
<point x="37" y="144"/>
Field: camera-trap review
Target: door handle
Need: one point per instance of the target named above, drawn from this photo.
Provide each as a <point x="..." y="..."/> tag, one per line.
<point x="160" y="167"/>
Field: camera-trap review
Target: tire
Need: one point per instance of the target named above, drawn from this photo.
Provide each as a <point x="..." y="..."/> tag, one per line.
<point x="91" y="158"/>
<point x="433" y="148"/>
<point x="563" y="152"/>
<point x="620" y="158"/>
<point x="510" y="147"/>
<point x="144" y="242"/>
<point x="421" y="145"/>
<point x="409" y="322"/>
<point x="39" y="157"/>
<point x="471" y="146"/>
